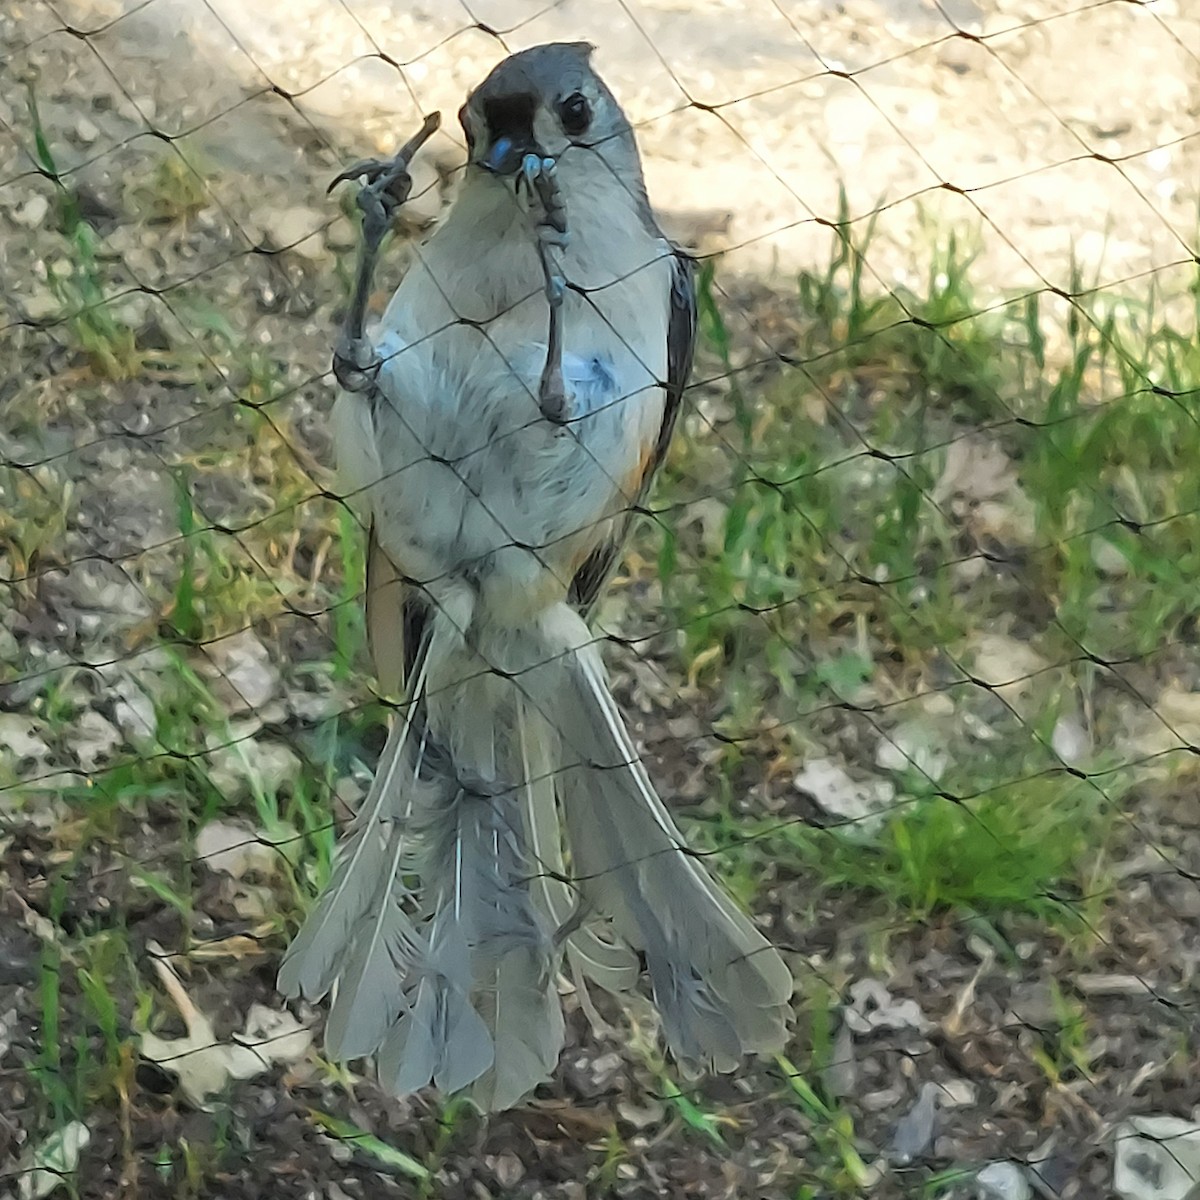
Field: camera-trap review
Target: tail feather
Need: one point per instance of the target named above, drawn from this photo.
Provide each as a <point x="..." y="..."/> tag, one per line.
<point x="700" y="1030"/>
<point x="720" y="986"/>
<point x="369" y="996"/>
<point x="440" y="1039"/>
<point x="454" y="899"/>
<point x="520" y="1007"/>
<point x="481" y="849"/>
<point x="610" y="964"/>
<point x="363" y="872"/>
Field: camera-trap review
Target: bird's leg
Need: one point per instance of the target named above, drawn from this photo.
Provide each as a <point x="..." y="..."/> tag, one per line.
<point x="355" y="361"/>
<point x="552" y="237"/>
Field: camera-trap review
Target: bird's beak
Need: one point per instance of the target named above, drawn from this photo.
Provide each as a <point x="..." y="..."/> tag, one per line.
<point x="505" y="155"/>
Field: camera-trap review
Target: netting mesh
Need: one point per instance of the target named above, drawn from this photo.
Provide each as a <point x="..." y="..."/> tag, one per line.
<point x="905" y="631"/>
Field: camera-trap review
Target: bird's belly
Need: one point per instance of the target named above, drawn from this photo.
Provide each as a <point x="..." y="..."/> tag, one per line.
<point x="476" y="486"/>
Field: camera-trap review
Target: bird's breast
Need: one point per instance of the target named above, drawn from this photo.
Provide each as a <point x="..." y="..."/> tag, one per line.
<point x="471" y="480"/>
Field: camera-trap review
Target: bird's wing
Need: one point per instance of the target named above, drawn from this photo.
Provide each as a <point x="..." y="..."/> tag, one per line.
<point x="396" y="618"/>
<point x="592" y="578"/>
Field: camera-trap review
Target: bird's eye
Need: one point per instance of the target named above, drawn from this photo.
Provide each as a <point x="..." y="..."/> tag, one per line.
<point x="575" y="114"/>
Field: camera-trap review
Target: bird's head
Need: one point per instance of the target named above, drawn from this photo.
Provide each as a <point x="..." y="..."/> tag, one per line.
<point x="547" y="101"/>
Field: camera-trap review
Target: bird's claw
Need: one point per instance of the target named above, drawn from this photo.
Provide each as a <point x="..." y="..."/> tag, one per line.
<point x="541" y="180"/>
<point x="388" y="184"/>
<point x="369" y="168"/>
<point x="389" y="176"/>
<point x="552" y="393"/>
<point x="355" y="363"/>
<point x="379" y="201"/>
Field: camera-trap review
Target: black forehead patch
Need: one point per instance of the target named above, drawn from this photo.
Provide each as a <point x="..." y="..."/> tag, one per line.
<point x="509" y="115"/>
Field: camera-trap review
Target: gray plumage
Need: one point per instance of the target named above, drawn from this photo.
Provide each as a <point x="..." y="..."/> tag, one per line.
<point x="511" y="834"/>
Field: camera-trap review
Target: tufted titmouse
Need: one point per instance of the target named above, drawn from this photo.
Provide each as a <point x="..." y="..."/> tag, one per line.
<point x="497" y="431"/>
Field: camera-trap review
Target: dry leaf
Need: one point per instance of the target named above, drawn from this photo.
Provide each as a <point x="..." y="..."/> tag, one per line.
<point x="205" y="1065"/>
<point x="873" y="1007"/>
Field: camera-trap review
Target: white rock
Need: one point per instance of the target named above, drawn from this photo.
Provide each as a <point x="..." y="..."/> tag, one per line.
<point x="873" y="1007"/>
<point x="41" y="304"/>
<point x="341" y="235"/>
<point x="1009" y="667"/>
<point x="242" y="671"/>
<point x="300" y="230"/>
<point x="95" y="740"/>
<point x="1108" y="558"/>
<point x="85" y="131"/>
<point x="1002" y="1181"/>
<point x="862" y="804"/>
<point x="235" y="849"/>
<point x="976" y="468"/>
<point x="250" y="764"/>
<point x="1099" y="984"/>
<point x="134" y="713"/>
<point x="21" y="738"/>
<point x="913" y="746"/>
<point x="958" y="1093"/>
<point x="32" y="214"/>
<point x="1157" y="1158"/>
<point x="1071" y="742"/>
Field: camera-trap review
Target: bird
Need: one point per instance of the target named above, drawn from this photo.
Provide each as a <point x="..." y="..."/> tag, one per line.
<point x="498" y="430"/>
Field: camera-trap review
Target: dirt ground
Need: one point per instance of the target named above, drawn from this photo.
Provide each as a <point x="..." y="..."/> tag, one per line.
<point x="1067" y="140"/>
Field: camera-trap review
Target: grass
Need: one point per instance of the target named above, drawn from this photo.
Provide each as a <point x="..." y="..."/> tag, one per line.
<point x="108" y="344"/>
<point x="842" y="574"/>
<point x="828" y="572"/>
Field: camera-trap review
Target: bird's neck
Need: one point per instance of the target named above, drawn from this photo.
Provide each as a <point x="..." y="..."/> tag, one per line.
<point x="485" y="252"/>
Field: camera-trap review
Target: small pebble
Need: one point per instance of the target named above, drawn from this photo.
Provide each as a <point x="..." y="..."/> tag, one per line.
<point x="915" y="1129"/>
<point x="1002" y="1181"/>
<point x="1112" y="985"/>
<point x="294" y="229"/>
<point x="958" y="1093"/>
<point x="85" y="131"/>
<point x="32" y="214"/>
<point x="41" y="304"/>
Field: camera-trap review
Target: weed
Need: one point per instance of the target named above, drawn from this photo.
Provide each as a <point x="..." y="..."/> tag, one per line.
<point x="109" y="344"/>
<point x="840" y="1167"/>
<point x="219" y="588"/>
<point x="1064" y="1045"/>
<point x="366" y="1143"/>
<point x="34" y="506"/>
<point x="828" y="570"/>
<point x="176" y="189"/>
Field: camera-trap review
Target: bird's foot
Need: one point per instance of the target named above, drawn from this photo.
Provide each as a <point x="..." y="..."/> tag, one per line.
<point x="387" y="187"/>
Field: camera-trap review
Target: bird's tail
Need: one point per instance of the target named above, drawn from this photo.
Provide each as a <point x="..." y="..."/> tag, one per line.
<point x="510" y="821"/>
<point x="721" y="989"/>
